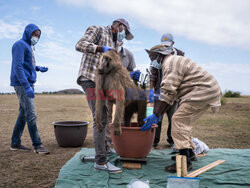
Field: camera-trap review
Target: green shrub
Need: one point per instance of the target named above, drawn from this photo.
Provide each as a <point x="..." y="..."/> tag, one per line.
<point x="223" y="100"/>
<point x="231" y="94"/>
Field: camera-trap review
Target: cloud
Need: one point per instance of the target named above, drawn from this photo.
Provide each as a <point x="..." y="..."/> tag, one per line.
<point x="235" y="77"/>
<point x="11" y="30"/>
<point x="224" y="22"/>
<point x="35" y="8"/>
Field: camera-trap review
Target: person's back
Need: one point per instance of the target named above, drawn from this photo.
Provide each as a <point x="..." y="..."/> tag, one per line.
<point x="187" y="81"/>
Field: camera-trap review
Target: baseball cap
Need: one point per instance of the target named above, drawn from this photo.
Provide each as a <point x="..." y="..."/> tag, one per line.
<point x="167" y="39"/>
<point x="129" y="35"/>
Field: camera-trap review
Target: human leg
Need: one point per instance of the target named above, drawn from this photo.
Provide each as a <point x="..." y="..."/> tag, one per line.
<point x="27" y="113"/>
<point x="99" y="137"/>
<point x="182" y="121"/>
<point x="158" y="129"/>
<point x="108" y="141"/>
<point x="170" y="112"/>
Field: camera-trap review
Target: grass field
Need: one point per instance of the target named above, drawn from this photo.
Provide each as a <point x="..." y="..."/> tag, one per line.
<point x="230" y="128"/>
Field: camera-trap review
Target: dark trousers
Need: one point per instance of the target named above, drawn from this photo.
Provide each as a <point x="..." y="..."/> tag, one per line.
<point x="171" y="110"/>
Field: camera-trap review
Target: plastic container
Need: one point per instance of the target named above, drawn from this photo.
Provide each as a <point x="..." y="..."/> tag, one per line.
<point x="133" y="143"/>
<point x="70" y="133"/>
<point x="183" y="182"/>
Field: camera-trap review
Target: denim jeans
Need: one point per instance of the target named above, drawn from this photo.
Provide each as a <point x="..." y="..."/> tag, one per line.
<point x="99" y="137"/>
<point x="27" y="113"/>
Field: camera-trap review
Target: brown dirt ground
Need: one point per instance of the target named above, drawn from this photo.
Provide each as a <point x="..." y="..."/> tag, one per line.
<point x="228" y="129"/>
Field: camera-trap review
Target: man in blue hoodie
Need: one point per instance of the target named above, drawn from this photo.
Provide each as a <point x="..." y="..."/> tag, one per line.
<point x="23" y="78"/>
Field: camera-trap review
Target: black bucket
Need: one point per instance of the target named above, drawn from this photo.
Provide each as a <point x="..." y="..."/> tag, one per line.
<point x="70" y="133"/>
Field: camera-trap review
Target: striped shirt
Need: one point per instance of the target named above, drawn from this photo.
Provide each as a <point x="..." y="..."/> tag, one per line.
<point x="93" y="37"/>
<point x="185" y="80"/>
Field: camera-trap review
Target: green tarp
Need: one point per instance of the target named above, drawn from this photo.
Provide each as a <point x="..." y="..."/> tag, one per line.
<point x="235" y="172"/>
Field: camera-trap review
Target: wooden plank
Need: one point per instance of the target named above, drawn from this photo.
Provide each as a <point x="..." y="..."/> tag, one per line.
<point x="201" y="155"/>
<point x="183" y="166"/>
<point x="130" y="165"/>
<point x="205" y="168"/>
<point x="178" y="165"/>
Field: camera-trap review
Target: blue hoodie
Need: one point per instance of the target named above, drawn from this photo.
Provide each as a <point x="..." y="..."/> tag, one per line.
<point x="23" y="72"/>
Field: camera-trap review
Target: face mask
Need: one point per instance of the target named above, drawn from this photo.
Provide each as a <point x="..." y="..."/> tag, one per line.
<point x="34" y="40"/>
<point x="156" y="65"/>
<point x="121" y="35"/>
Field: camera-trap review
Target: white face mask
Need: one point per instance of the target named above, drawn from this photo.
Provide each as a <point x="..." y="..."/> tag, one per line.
<point x="156" y="65"/>
<point x="34" y="40"/>
<point x="121" y="35"/>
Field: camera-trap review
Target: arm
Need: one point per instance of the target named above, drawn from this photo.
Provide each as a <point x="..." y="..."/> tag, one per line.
<point x="88" y="42"/>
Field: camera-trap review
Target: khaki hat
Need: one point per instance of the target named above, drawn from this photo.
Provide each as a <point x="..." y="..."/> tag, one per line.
<point x="161" y="49"/>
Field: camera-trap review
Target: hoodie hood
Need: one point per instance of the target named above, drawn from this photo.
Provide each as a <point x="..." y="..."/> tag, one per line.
<point x="29" y="29"/>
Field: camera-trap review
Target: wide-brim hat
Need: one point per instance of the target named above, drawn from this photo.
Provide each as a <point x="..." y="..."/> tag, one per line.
<point x="161" y="49"/>
<point x="129" y="35"/>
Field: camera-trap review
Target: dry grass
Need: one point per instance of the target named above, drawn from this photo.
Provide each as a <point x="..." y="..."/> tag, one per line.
<point x="228" y="129"/>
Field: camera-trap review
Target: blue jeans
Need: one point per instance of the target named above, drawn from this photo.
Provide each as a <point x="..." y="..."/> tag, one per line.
<point x="27" y="113"/>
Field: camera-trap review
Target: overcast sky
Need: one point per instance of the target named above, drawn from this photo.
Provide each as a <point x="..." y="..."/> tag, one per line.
<point x="213" y="33"/>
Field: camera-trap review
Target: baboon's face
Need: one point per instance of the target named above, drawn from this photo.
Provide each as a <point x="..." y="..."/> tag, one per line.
<point x="109" y="61"/>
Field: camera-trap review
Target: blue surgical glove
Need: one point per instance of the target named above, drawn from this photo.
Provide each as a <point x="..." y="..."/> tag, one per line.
<point x="29" y="92"/>
<point x="41" y="69"/>
<point x="135" y="75"/>
<point x="151" y="96"/>
<point x="152" y="119"/>
<point x="106" y="48"/>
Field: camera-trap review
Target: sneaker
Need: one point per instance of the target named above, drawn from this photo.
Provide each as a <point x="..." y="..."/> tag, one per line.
<point x="172" y="168"/>
<point x="108" y="167"/>
<point x="19" y="147"/>
<point x="41" y="150"/>
<point x="110" y="151"/>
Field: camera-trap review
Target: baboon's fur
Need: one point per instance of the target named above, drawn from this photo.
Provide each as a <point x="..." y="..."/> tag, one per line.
<point x="112" y="76"/>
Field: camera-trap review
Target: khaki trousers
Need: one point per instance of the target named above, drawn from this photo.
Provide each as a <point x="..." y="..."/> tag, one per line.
<point x="182" y="121"/>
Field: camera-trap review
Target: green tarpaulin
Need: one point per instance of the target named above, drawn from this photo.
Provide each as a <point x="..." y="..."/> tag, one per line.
<point x="235" y="172"/>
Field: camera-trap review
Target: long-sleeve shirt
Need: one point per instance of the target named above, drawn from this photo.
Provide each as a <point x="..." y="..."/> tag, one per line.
<point x="93" y="37"/>
<point x="185" y="80"/>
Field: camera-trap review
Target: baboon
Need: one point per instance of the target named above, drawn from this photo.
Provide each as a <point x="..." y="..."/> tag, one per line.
<point x="114" y="85"/>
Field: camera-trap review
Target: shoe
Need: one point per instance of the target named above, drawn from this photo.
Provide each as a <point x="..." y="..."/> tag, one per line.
<point x="192" y="158"/>
<point x="108" y="167"/>
<point x="19" y="147"/>
<point x="41" y="150"/>
<point x="172" y="168"/>
<point x="110" y="151"/>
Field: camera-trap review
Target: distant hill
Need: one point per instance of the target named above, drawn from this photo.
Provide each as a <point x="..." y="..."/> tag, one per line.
<point x="70" y="91"/>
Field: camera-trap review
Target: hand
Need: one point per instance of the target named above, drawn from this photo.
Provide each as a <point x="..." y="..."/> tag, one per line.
<point x="151" y="96"/>
<point x="106" y="48"/>
<point x="152" y="119"/>
<point x="41" y="69"/>
<point x="135" y="75"/>
<point x="29" y="92"/>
